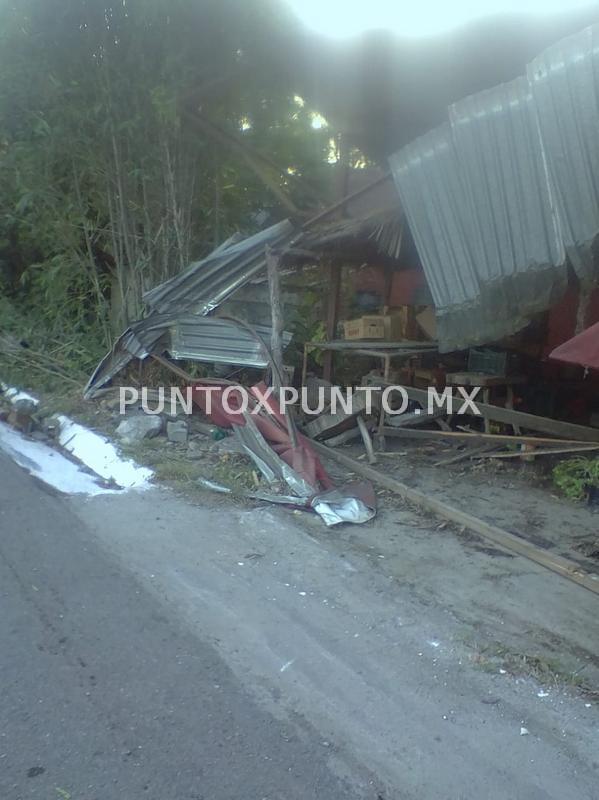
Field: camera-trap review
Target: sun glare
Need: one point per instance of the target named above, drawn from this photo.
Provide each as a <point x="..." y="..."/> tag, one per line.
<point x="340" y="18"/>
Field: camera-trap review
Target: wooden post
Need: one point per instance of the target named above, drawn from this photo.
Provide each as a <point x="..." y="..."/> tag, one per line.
<point x="334" y="281"/>
<point x="276" y="315"/>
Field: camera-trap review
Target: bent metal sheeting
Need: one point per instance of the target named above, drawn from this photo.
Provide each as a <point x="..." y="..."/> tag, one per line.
<point x="499" y="196"/>
<point x="192" y="337"/>
<point x="177" y="322"/>
<point x="206" y="284"/>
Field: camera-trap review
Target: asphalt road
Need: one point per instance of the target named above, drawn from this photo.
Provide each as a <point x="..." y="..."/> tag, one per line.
<point x="104" y="694"/>
<point x="152" y="647"/>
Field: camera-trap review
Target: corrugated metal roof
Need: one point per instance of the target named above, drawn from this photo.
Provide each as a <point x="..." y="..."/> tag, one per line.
<point x="564" y="81"/>
<point x="206" y="283"/>
<point x="193" y="338"/>
<point x="383" y="228"/>
<point x="497" y="196"/>
<point x="221" y="341"/>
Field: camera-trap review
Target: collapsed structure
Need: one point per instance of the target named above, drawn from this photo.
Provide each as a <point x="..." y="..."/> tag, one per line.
<point x="466" y="265"/>
<point x="503" y="199"/>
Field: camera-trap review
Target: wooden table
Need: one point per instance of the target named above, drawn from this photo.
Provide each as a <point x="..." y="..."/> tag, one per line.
<point x="487" y="383"/>
<point x="370" y="347"/>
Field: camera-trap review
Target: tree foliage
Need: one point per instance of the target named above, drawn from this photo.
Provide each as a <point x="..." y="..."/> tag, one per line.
<point x="134" y="137"/>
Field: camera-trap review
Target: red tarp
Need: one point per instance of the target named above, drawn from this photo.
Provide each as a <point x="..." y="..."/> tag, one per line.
<point x="273" y="426"/>
<point x="582" y="349"/>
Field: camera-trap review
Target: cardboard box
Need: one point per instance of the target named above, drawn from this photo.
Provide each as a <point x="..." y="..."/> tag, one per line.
<point x="372" y="327"/>
<point x="428" y="322"/>
<point x="400" y="325"/>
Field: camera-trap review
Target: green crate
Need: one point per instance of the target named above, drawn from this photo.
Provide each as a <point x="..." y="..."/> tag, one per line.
<point x="490" y="362"/>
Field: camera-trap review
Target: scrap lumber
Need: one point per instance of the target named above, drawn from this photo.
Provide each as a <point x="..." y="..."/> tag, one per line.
<point x="469" y="452"/>
<point x="551" y="451"/>
<point x="566" y="430"/>
<point x="276" y="341"/>
<point x="415" y="420"/>
<point x="329" y="424"/>
<point x="509" y="541"/>
<point x="344" y="438"/>
<point x="497" y="438"/>
<point x="366" y="439"/>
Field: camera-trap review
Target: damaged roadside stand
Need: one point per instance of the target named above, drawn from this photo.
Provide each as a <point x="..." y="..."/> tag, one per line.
<point x="463" y="267"/>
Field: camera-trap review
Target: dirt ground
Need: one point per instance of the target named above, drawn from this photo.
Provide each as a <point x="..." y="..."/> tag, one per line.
<point x="512" y="612"/>
<point x="504" y="611"/>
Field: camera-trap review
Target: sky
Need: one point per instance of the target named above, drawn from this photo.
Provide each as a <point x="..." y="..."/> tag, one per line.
<point x="341" y="18"/>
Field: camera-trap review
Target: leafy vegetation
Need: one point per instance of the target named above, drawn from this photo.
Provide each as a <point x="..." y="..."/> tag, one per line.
<point x="576" y="476"/>
<point x="135" y="137"/>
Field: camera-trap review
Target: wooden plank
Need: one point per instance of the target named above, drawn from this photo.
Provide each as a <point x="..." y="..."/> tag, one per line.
<point x="366" y="439"/>
<point x="379" y="344"/>
<point x="276" y="317"/>
<point x="412" y="419"/>
<point x="552" y="451"/>
<point x="498" y="438"/>
<point x="470" y="452"/>
<point x="482" y="379"/>
<point x="334" y="275"/>
<point x="329" y="424"/>
<point x="344" y="200"/>
<point x="509" y="541"/>
<point x="565" y="430"/>
<point x="344" y="438"/>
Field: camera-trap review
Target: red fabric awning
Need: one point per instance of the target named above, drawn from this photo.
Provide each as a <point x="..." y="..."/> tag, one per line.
<point x="582" y="349"/>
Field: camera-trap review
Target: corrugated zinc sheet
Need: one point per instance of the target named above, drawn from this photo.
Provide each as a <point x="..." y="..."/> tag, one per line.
<point x="433" y="197"/>
<point x="497" y="197"/>
<point x="189" y="337"/>
<point x="211" y="339"/>
<point x="564" y="81"/>
<point x="205" y="284"/>
<point x="383" y="228"/>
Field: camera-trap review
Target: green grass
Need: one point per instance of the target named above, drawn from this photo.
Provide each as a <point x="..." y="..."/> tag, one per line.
<point x="547" y="671"/>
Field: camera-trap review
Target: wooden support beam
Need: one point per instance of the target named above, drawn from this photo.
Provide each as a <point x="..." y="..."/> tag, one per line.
<point x="555" y="427"/>
<point x="366" y="439"/>
<point x="509" y="541"/>
<point x="551" y="451"/>
<point x="474" y="438"/>
<point x="344" y="200"/>
<point x="470" y="452"/>
<point x="276" y="315"/>
<point x="334" y="281"/>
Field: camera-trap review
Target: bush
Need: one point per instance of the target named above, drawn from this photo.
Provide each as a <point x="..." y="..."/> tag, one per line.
<point x="577" y="476"/>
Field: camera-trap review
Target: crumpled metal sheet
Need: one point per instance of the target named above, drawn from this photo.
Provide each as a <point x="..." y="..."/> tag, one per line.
<point x="267" y="441"/>
<point x="270" y="464"/>
<point x="138" y="341"/>
<point x="222" y="341"/>
<point x="355" y="502"/>
<point x="204" y="285"/>
<point x="177" y="307"/>
<point x="273" y="427"/>
<point x="497" y="197"/>
<point x="334" y="507"/>
<point x="194" y="338"/>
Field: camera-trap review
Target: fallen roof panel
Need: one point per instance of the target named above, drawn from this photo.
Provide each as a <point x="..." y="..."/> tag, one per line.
<point x="207" y="283"/>
<point x="189" y="337"/>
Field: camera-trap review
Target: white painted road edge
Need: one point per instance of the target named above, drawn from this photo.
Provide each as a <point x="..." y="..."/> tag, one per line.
<point x="101" y="456"/>
<point x="96" y="452"/>
<point x="16" y="395"/>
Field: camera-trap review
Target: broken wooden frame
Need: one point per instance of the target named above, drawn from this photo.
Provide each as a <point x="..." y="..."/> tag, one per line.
<point x="573" y="433"/>
<point x="386" y="351"/>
